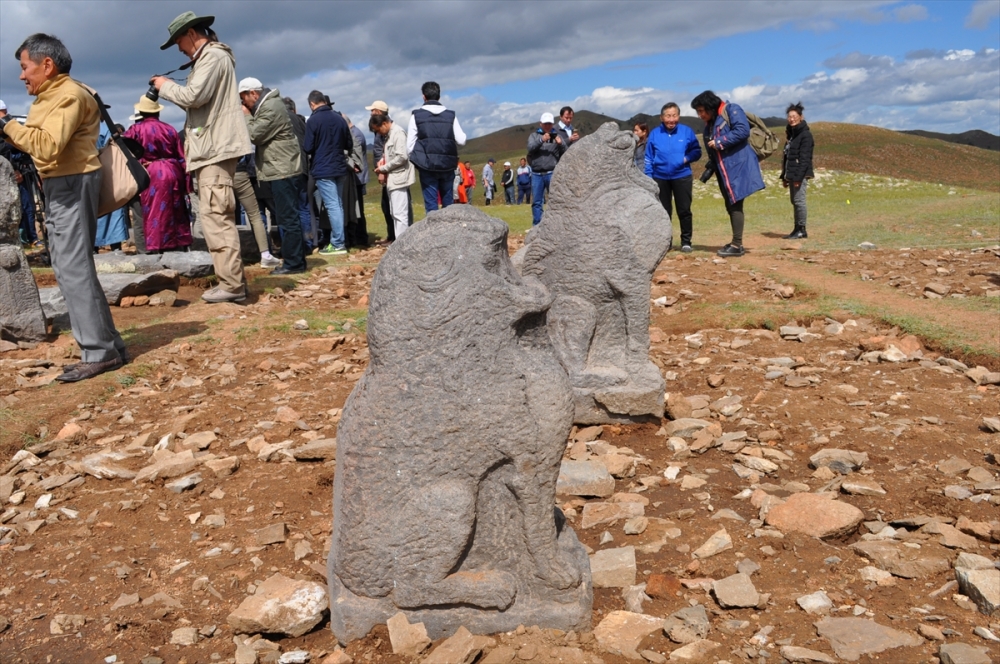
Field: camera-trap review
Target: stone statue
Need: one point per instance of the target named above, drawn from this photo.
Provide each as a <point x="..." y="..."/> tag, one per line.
<point x="21" y="316"/>
<point x="450" y="445"/>
<point x="603" y="234"/>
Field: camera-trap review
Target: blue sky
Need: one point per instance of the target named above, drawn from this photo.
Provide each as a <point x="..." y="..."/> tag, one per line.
<point x="900" y="65"/>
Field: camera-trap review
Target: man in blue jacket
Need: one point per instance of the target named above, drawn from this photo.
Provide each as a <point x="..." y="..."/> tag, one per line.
<point x="670" y="151"/>
<point x="328" y="141"/>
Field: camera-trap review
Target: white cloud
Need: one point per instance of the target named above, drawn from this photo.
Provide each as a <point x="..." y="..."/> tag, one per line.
<point x="982" y="13"/>
<point x="910" y="13"/>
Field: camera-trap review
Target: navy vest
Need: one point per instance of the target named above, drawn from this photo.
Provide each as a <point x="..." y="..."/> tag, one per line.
<point x="436" y="149"/>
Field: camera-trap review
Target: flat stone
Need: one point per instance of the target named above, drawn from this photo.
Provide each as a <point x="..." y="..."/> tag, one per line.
<point x="281" y="606"/>
<point x="800" y="654"/>
<point x="223" y="467"/>
<point x="963" y="653"/>
<point x="63" y="623"/>
<point x="815" y="515"/>
<point x="184" y="636"/>
<point x="125" y="600"/>
<point x="272" y="534"/>
<point x="184" y="483"/>
<point x="406" y="639"/>
<point x="853" y="637"/>
<point x="901" y="561"/>
<point x="937" y="288"/>
<point x="693" y="652"/>
<point x="838" y="460"/>
<point x="991" y="424"/>
<point x="719" y="541"/>
<point x="167" y="465"/>
<point x="817" y="602"/>
<point x="735" y="592"/>
<point x="982" y="586"/>
<point x="613" y="568"/>
<point x="983" y="376"/>
<point x="873" y="574"/>
<point x="636" y="525"/>
<point x="859" y="486"/>
<point x="686" y="427"/>
<point x="687" y="625"/>
<point x="500" y="655"/>
<point x="972" y="561"/>
<point x="201" y="440"/>
<point x="756" y="463"/>
<point x="953" y="466"/>
<point x="662" y="586"/>
<point x="321" y="449"/>
<point x="460" y="648"/>
<point x="621" y="632"/>
<point x="585" y="478"/>
<point x="595" y="514"/>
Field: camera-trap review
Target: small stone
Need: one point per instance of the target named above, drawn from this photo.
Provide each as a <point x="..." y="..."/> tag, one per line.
<point x="662" y="586"/>
<point x="748" y="567"/>
<point x="815" y="515"/>
<point x="300" y="324"/>
<point x="201" y="440"/>
<point x="853" y="637"/>
<point x="937" y="288"/>
<point x="281" y="605"/>
<point x="294" y="657"/>
<point x="686" y="427"/>
<point x="838" y="460"/>
<point x="287" y="415"/>
<point x="719" y="541"/>
<point x="716" y="380"/>
<point x="595" y="514"/>
<point x="930" y="632"/>
<point x="613" y="568"/>
<point x="900" y="560"/>
<point x="877" y="576"/>
<point x="273" y="534"/>
<point x="184" y="483"/>
<point x="991" y="424"/>
<point x="125" y="600"/>
<point x="585" y="478"/>
<point x="799" y="654"/>
<point x="406" y="639"/>
<point x="735" y="592"/>
<point x="461" y="648"/>
<point x="500" y="655"/>
<point x="963" y="653"/>
<point x="687" y="625"/>
<point x="653" y="656"/>
<point x="621" y="632"/>
<point x="321" y="449"/>
<point x="184" y="636"/>
<point x="693" y="652"/>
<point x="63" y="623"/>
<point x="223" y="467"/>
<point x="817" y="602"/>
<point x="957" y="492"/>
<point x="862" y="487"/>
<point x="636" y="525"/>
<point x="982" y="586"/>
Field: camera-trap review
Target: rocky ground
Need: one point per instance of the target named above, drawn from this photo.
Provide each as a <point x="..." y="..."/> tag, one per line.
<point x="825" y="491"/>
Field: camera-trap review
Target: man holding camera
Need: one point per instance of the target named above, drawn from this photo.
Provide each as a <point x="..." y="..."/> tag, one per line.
<point x="60" y="134"/>
<point x="545" y="147"/>
<point x="216" y="137"/>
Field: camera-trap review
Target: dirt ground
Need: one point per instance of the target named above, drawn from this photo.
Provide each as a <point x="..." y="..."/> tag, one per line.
<point x="246" y="371"/>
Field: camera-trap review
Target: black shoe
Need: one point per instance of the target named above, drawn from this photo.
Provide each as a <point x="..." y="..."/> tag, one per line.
<point x="798" y="234"/>
<point x="730" y="251"/>
<point x="85" y="370"/>
<point x="285" y="270"/>
<point x="122" y="353"/>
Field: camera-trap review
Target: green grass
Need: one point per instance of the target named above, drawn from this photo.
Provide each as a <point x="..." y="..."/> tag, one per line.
<point x="321" y="322"/>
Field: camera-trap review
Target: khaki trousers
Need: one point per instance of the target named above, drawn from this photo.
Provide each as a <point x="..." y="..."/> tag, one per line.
<point x="248" y="199"/>
<point x="217" y="210"/>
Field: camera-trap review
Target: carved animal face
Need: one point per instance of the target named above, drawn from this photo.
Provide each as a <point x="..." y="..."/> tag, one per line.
<point x="602" y="161"/>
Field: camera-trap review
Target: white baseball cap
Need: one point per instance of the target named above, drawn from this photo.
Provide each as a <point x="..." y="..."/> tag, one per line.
<point x="249" y="84"/>
<point x="378" y="105"/>
<point x="3" y="106"/>
<point x="506" y="163"/>
<point x="547" y="118"/>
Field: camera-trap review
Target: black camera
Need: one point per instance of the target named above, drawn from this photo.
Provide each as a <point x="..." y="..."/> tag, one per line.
<point x="708" y="172"/>
<point x="152" y="93"/>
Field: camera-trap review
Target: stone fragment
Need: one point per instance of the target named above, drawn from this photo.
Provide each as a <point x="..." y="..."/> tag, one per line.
<point x="983" y="376"/>
<point x="972" y="561"/>
<point x="991" y="424"/>
<point x="860" y="486"/>
<point x="800" y="654"/>
<point x="662" y="586"/>
<point x="901" y="560"/>
<point x="595" y="514"/>
<point x="756" y="463"/>
<point x="953" y="466"/>
<point x="460" y="648"/>
<point x="735" y="592"/>
<point x="620" y="632"/>
<point x="102" y="465"/>
<point x="719" y="541"/>
<point x="875" y="575"/>
<point x="636" y="525"/>
<point x="963" y="653"/>
<point x="815" y="515"/>
<point x="840" y="461"/>
<point x="613" y="568"/>
<point x="449" y="447"/>
<point x="125" y="600"/>
<point x="677" y="407"/>
<point x="982" y="586"/>
<point x="184" y="636"/>
<point x="63" y="623"/>
<point x="201" y="440"/>
<point x="406" y="639"/>
<point x="272" y="534"/>
<point x="321" y="449"/>
<point x="851" y="638"/>
<point x="585" y="478"/>
<point x="500" y="655"/>
<point x="687" y="625"/>
<point x="184" y="483"/>
<point x="817" y="602"/>
<point x="223" y="467"/>
<point x="281" y="606"/>
<point x="167" y="465"/>
<point x="693" y="652"/>
<point x="686" y="427"/>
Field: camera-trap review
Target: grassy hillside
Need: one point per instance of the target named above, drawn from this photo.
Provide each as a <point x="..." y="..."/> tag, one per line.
<point x="977" y="138"/>
<point x="839" y="146"/>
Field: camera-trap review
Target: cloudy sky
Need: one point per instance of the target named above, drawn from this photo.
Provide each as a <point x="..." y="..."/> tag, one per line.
<point x="902" y="65"/>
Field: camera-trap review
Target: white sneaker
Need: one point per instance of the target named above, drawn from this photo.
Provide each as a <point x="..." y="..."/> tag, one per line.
<point x="269" y="261"/>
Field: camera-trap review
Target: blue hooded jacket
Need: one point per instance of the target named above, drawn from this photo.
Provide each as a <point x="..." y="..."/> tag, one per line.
<point x="666" y="152"/>
<point x="736" y="165"/>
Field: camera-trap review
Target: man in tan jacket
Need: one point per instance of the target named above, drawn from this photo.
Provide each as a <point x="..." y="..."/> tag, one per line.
<point x="215" y="137"/>
<point x="60" y="134"/>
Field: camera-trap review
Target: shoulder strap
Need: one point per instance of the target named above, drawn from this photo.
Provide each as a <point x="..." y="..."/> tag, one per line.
<point x="100" y="104"/>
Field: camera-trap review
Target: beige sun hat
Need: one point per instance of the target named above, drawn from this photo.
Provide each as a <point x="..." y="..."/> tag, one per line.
<point x="147" y="105"/>
<point x="180" y="25"/>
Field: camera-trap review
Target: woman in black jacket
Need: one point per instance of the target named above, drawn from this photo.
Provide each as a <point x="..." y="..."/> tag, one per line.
<point x="797" y="166"/>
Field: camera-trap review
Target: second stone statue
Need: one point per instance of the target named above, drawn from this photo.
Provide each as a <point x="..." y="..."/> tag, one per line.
<point x="450" y="445"/>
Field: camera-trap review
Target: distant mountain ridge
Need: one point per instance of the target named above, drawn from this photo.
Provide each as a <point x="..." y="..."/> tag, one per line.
<point x="977" y="138"/>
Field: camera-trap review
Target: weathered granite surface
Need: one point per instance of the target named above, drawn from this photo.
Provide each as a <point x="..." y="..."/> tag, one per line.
<point x="602" y="236"/>
<point x="21" y="316"/>
<point x="116" y="286"/>
<point x="188" y="264"/>
<point x="449" y="447"/>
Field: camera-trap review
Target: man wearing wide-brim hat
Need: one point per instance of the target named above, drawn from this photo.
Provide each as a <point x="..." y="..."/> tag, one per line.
<point x="215" y="137"/>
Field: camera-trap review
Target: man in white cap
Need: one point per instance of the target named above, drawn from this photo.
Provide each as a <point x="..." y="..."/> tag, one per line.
<point x="215" y="137"/>
<point x="379" y="107"/>
<point x="545" y="148"/>
<point x="507" y="180"/>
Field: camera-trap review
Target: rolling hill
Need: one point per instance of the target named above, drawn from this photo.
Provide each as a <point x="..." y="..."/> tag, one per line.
<point x="839" y="146"/>
<point x="977" y="138"/>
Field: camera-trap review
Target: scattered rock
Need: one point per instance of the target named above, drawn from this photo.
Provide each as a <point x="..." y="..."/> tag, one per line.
<point x="184" y="636"/>
<point x="688" y="625"/>
<point x="461" y="648"/>
<point x="406" y="639"/>
<point x="982" y="586"/>
<point x="693" y="652"/>
<point x="585" y="478"/>
<point x="963" y="653"/>
<point x="321" y="449"/>
<point x="841" y="461"/>
<point x="817" y="602"/>
<point x="815" y="515"/>
<point x="853" y="637"/>
<point x="613" y="568"/>
<point x="799" y="654"/>
<point x="273" y="534"/>
<point x="719" y="541"/>
<point x="901" y="560"/>
<point x="282" y="606"/>
<point x="63" y="623"/>
<point x="736" y="592"/>
<point x="621" y="632"/>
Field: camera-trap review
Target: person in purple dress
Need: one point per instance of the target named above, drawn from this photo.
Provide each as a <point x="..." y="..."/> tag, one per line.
<point x="166" y="220"/>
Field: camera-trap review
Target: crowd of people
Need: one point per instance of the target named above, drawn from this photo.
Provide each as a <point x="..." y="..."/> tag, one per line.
<point x="245" y="150"/>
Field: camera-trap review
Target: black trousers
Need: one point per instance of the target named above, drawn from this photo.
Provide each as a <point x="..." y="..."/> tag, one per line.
<point x="287" y="195"/>
<point x="680" y="190"/>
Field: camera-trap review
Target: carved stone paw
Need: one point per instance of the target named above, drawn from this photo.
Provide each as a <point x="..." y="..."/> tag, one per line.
<point x="560" y="572"/>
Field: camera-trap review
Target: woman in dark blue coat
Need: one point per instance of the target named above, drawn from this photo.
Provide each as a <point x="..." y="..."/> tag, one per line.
<point x="731" y="158"/>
